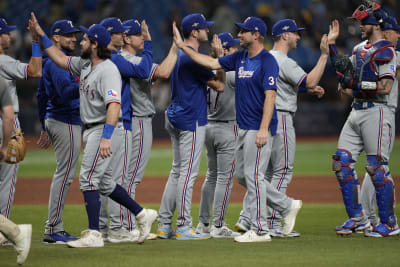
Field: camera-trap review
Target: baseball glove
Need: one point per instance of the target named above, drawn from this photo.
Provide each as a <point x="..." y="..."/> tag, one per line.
<point x="16" y="148"/>
<point x="344" y="66"/>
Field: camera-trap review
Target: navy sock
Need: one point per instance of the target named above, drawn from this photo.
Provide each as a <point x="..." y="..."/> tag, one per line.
<point x="92" y="203"/>
<point x="120" y="196"/>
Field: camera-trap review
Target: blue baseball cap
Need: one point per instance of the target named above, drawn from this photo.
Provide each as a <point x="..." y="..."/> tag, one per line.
<point x="113" y="25"/>
<point x="134" y="25"/>
<point x="391" y="24"/>
<point x="285" y="25"/>
<point x="98" y="33"/>
<point x="227" y="40"/>
<point x="195" y="21"/>
<point x="61" y="27"/>
<point x="253" y="24"/>
<point x="4" y="27"/>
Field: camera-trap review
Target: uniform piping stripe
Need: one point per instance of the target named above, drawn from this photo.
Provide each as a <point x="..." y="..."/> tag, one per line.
<point x="226" y="195"/>
<point x="121" y="215"/>
<point x="11" y="191"/>
<point x="153" y="72"/>
<point x="61" y="193"/>
<point x="380" y="132"/>
<point x="26" y="72"/>
<point x="301" y="80"/>
<point x="390" y="137"/>
<point x="189" y="171"/>
<point x="258" y="219"/>
<point x="89" y="177"/>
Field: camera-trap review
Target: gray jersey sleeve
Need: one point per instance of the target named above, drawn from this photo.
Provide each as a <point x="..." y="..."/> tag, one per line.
<point x="110" y="86"/>
<point x="76" y="64"/>
<point x="13" y="69"/>
<point x="5" y="98"/>
<point x="292" y="73"/>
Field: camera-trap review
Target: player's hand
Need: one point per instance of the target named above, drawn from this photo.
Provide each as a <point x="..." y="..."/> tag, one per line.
<point x="105" y="148"/>
<point x="44" y="141"/>
<point x="261" y="138"/>
<point x="34" y="26"/>
<point x="333" y="32"/>
<point x="318" y="91"/>
<point x="177" y="36"/>
<point x="145" y="31"/>
<point x="324" y="47"/>
<point x="216" y="46"/>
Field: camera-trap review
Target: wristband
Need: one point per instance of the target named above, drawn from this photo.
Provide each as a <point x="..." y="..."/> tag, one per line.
<point x="107" y="131"/>
<point x="46" y="42"/>
<point x="36" y="50"/>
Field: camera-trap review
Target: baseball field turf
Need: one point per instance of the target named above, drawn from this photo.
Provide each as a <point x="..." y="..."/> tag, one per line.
<point x="317" y="246"/>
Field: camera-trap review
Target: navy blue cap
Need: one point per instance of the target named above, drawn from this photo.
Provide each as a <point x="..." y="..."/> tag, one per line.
<point x="391" y="24"/>
<point x="98" y="33"/>
<point x="113" y="25"/>
<point x="285" y="25"/>
<point x="61" y="27"/>
<point x="253" y="24"/>
<point x="227" y="40"/>
<point x="195" y="21"/>
<point x="4" y="27"/>
<point x="134" y="25"/>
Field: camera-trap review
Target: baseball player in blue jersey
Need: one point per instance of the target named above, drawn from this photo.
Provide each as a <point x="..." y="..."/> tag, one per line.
<point x="369" y="124"/>
<point x="61" y="126"/>
<point x="143" y="109"/>
<point x="221" y="135"/>
<point x="291" y="81"/>
<point x="186" y="118"/>
<point x="100" y="109"/>
<point x="12" y="70"/>
<point x="256" y="72"/>
<point x="391" y="32"/>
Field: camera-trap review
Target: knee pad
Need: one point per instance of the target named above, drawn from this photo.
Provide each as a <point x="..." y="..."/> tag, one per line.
<point x="375" y="168"/>
<point x="341" y="165"/>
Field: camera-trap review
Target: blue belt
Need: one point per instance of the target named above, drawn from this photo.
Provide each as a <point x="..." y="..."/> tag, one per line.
<point x="363" y="105"/>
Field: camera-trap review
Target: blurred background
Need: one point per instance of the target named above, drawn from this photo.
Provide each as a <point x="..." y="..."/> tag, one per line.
<point x="323" y="117"/>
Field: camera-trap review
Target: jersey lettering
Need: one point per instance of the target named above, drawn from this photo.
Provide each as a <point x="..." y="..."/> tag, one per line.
<point x="245" y="73"/>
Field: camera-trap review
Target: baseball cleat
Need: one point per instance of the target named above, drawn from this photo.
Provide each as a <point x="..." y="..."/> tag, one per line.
<point x="3" y="239"/>
<point x="134" y="235"/>
<point x="383" y="230"/>
<point x="223" y="232"/>
<point x="122" y="235"/>
<point x="165" y="231"/>
<point x="290" y="218"/>
<point x="241" y="227"/>
<point x="89" y="239"/>
<point x="251" y="236"/>
<point x="202" y="228"/>
<point x="351" y="226"/>
<point x="188" y="233"/>
<point x="144" y="221"/>
<point x="23" y="242"/>
<point x="151" y="236"/>
<point x="58" y="238"/>
<point x="294" y="234"/>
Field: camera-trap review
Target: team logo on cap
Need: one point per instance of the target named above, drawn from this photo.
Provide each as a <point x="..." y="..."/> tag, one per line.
<point x="119" y="21"/>
<point x="256" y="28"/>
<point x="57" y="30"/>
<point x="110" y="28"/>
<point x="70" y="23"/>
<point x="285" y="28"/>
<point x="224" y="43"/>
<point x="195" y="24"/>
<point x="246" y="20"/>
<point x="203" y="16"/>
<point x="137" y="22"/>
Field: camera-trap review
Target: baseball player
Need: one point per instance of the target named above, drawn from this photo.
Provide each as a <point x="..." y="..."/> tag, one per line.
<point x="369" y="124"/>
<point x="391" y="32"/>
<point x="117" y="233"/>
<point x="100" y="98"/>
<point x="221" y="134"/>
<point x="143" y="110"/>
<point x="61" y="126"/>
<point x="20" y="235"/>
<point x="292" y="80"/>
<point x="11" y="70"/>
<point x="256" y="72"/>
<point x="186" y="118"/>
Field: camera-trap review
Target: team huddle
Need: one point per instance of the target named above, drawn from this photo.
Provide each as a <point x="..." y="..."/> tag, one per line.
<point x="238" y="103"/>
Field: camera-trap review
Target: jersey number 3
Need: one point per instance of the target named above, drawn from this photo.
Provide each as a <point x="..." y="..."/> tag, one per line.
<point x="271" y="80"/>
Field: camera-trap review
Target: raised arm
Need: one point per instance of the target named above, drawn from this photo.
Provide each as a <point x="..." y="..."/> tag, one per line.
<point x="165" y="68"/>
<point x="35" y="64"/>
<point x="53" y="52"/>
<point x="204" y="60"/>
<point x="316" y="73"/>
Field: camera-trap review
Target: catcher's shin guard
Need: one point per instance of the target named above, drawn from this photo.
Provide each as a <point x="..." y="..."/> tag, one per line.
<point x="349" y="184"/>
<point x="384" y="188"/>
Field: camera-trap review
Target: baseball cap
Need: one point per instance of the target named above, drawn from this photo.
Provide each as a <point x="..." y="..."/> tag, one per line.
<point x="227" y="40"/>
<point x="113" y="25"/>
<point x="391" y="24"/>
<point x="98" y="33"/>
<point x="253" y="24"/>
<point x="285" y="25"/>
<point x="61" y="27"/>
<point x="134" y="25"/>
<point x="195" y="21"/>
<point x="4" y="27"/>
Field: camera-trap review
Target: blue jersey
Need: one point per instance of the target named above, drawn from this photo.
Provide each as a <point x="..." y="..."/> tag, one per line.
<point x="188" y="94"/>
<point x="127" y="71"/>
<point x="58" y="94"/>
<point x="253" y="77"/>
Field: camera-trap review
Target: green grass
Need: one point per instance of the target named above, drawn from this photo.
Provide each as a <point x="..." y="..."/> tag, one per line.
<point x="312" y="159"/>
<point x="318" y="245"/>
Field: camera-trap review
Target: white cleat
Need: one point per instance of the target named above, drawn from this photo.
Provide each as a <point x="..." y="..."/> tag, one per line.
<point x="202" y="228"/>
<point x="290" y="218"/>
<point x="251" y="236"/>
<point x="151" y="236"/>
<point x="3" y="239"/>
<point x="122" y="235"/>
<point x="144" y="221"/>
<point x="23" y="242"/>
<point x="223" y="232"/>
<point x="89" y="239"/>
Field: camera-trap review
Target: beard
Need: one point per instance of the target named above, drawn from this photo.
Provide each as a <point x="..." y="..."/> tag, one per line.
<point x="85" y="54"/>
<point x="67" y="48"/>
